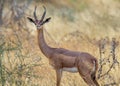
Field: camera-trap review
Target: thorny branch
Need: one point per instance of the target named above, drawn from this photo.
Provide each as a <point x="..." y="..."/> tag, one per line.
<point x="104" y="60"/>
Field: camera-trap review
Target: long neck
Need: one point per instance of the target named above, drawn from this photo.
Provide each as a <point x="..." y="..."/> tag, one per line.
<point x="46" y="50"/>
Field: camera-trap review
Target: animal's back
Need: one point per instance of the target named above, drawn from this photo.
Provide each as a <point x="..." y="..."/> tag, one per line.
<point x="67" y="52"/>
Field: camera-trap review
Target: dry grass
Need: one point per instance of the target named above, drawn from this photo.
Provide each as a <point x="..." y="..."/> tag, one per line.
<point x="75" y="25"/>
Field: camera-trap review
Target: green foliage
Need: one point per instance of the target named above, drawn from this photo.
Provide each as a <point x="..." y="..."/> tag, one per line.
<point x="118" y="1"/>
<point x="67" y="14"/>
<point x="73" y="1"/>
<point x="83" y="5"/>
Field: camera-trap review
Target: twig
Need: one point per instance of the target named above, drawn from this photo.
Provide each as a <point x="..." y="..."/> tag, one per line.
<point x="114" y="44"/>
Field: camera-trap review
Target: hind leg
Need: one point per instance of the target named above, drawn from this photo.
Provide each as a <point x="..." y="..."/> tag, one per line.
<point x="86" y="77"/>
<point x="97" y="84"/>
<point x="89" y="80"/>
<point x="93" y="76"/>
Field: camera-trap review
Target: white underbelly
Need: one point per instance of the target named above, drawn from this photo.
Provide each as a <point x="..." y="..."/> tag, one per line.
<point x="73" y="69"/>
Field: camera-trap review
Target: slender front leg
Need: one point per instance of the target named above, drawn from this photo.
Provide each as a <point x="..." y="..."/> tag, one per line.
<point x="58" y="75"/>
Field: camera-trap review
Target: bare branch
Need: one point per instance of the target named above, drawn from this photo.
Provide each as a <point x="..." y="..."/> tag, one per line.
<point x="104" y="61"/>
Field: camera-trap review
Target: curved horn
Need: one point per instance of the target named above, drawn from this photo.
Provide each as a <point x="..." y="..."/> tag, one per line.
<point x="35" y="13"/>
<point x="43" y="14"/>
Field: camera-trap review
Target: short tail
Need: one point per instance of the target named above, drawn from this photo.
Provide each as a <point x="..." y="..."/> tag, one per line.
<point x="96" y="65"/>
<point x="93" y="75"/>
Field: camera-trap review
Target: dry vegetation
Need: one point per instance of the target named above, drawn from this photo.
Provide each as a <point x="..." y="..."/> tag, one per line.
<point x="82" y="25"/>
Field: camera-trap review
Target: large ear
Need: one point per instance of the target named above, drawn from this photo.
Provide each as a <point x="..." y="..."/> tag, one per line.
<point x="47" y="20"/>
<point x="30" y="19"/>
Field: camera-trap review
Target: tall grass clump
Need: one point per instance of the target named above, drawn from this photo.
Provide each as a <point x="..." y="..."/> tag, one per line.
<point x="16" y="64"/>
